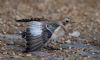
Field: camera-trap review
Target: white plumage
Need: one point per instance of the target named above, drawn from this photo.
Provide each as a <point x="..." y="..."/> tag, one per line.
<point x="35" y="28"/>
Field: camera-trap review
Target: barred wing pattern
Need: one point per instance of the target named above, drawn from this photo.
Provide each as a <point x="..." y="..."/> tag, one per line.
<point x="37" y="34"/>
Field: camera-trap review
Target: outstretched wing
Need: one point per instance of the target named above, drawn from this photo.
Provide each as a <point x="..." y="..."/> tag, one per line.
<point x="37" y="33"/>
<point x="36" y="36"/>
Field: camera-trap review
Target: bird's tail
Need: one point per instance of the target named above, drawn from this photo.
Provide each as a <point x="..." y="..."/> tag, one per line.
<point x="29" y="20"/>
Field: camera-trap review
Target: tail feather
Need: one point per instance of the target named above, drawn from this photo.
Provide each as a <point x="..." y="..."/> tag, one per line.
<point x="31" y="19"/>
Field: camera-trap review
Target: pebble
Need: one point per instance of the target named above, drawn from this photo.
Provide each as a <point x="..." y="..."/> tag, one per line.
<point x="68" y="41"/>
<point x="61" y="48"/>
<point x="93" y="53"/>
<point x="5" y="53"/>
<point x="75" y="34"/>
<point x="3" y="48"/>
<point x="29" y="54"/>
<point x="40" y="53"/>
<point x="56" y="58"/>
<point x="98" y="20"/>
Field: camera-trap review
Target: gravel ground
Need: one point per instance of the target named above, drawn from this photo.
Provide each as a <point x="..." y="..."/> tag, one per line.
<point x="85" y="29"/>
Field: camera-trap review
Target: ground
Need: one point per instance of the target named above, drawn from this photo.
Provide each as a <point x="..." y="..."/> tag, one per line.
<point x="84" y="14"/>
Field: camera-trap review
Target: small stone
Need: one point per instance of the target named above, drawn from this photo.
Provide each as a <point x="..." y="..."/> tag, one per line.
<point x="18" y="17"/>
<point x="18" y="24"/>
<point x="20" y="54"/>
<point x="68" y="41"/>
<point x="98" y="20"/>
<point x="29" y="54"/>
<point x="93" y="53"/>
<point x="56" y="58"/>
<point x="75" y="34"/>
<point x="4" y="32"/>
<point x="89" y="56"/>
<point x="16" y="56"/>
<point x="3" y="48"/>
<point x="5" y="53"/>
<point x="61" y="48"/>
<point x="40" y="53"/>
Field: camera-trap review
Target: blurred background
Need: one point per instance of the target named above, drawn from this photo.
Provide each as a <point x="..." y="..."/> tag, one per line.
<point x="85" y="14"/>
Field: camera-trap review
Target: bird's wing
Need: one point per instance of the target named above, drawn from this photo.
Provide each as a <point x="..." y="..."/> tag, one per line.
<point x="52" y="26"/>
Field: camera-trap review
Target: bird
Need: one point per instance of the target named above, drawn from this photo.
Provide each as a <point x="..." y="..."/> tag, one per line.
<point x="37" y="33"/>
